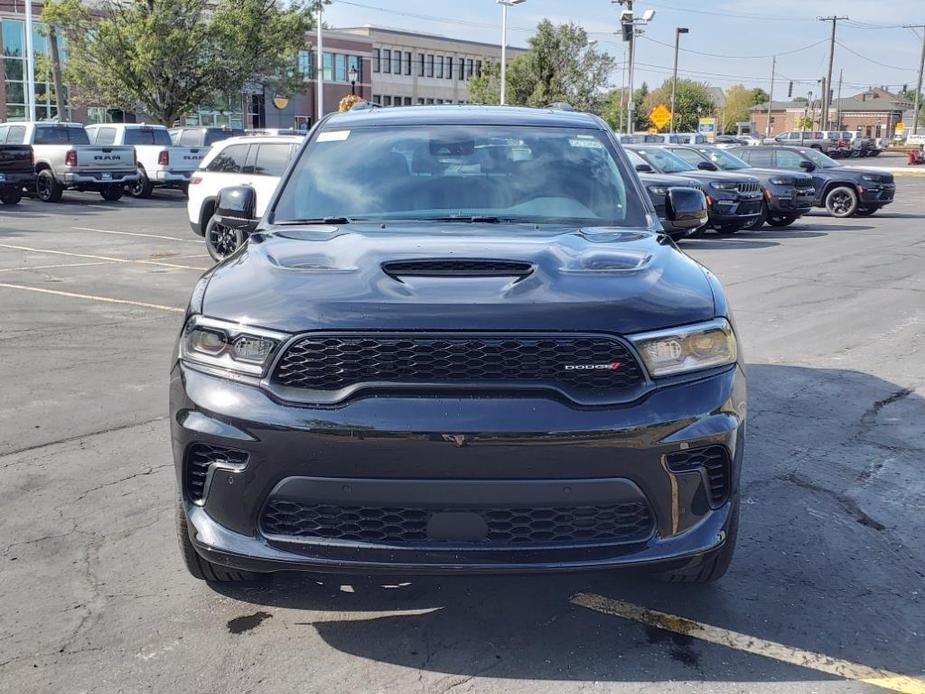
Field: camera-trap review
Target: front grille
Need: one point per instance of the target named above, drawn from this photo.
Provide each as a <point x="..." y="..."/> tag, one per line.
<point x="412" y="525"/>
<point x="748" y="187"/>
<point x="199" y="457"/>
<point x="714" y="460"/>
<point x="334" y="362"/>
<point x="457" y="267"/>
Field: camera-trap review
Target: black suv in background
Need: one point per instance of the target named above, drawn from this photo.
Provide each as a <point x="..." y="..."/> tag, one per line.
<point x="657" y="186"/>
<point x="787" y="195"/>
<point x="842" y="190"/>
<point x="489" y="360"/>
<point x="733" y="200"/>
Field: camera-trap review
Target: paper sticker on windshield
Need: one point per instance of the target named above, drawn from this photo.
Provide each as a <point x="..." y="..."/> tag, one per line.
<point x="586" y="141"/>
<point x="333" y="135"/>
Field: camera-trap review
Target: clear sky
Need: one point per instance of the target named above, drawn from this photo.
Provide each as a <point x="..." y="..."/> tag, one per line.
<point x="872" y="48"/>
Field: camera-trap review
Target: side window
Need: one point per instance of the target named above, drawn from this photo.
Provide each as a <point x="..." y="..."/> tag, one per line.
<point x="17" y="135"/>
<point x="189" y="138"/>
<point x="758" y="158"/>
<point x="4" y="129"/>
<point x="272" y="159"/>
<point x="788" y="160"/>
<point x="105" y="136"/>
<point x="687" y="155"/>
<point x="229" y="160"/>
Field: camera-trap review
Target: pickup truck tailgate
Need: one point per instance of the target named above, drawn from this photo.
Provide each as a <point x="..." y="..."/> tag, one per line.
<point x="105" y="158"/>
<point x="16" y="159"/>
<point x="186" y="158"/>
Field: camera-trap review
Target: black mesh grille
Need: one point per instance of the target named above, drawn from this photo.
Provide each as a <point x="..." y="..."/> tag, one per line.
<point x="199" y="457"/>
<point x="748" y="187"/>
<point x="457" y="267"/>
<point x="624" y="522"/>
<point x="714" y="459"/>
<point x="329" y="363"/>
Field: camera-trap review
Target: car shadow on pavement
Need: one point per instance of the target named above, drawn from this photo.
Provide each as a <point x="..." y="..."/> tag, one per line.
<point x="829" y="541"/>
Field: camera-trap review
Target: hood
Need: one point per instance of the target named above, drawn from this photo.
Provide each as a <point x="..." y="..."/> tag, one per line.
<point x="667" y="180"/>
<point x="735" y="177"/>
<point x="330" y="277"/>
<point x="882" y="175"/>
<point x="799" y="176"/>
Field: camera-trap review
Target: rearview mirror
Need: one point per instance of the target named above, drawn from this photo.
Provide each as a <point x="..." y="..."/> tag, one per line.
<point x="807" y="165"/>
<point x="685" y="208"/>
<point x="644" y="168"/>
<point x="706" y="166"/>
<point x="235" y="207"/>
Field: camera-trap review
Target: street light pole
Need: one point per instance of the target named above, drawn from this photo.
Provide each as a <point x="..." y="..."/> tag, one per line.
<point x="918" y="87"/>
<point x="504" y="5"/>
<point x="629" y="28"/>
<point x="674" y="73"/>
<point x="30" y="66"/>
<point x="828" y="80"/>
<point x="319" y="81"/>
<point x="353" y="81"/>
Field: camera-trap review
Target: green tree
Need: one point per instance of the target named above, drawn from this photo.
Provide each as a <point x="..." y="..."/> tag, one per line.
<point x="167" y="56"/>
<point x="692" y="100"/>
<point x="760" y="96"/>
<point x="738" y="101"/>
<point x="560" y="65"/>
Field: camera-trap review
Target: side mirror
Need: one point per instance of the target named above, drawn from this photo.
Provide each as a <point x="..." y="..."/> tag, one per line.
<point x="644" y="168"/>
<point x="235" y="207"/>
<point x="807" y="165"/>
<point x="707" y="166"/>
<point x="685" y="208"/>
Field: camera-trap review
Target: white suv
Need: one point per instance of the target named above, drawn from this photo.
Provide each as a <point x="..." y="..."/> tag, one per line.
<point x="256" y="161"/>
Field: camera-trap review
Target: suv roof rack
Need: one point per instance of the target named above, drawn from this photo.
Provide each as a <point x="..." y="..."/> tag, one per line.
<point x="364" y="106"/>
<point x="560" y="106"/>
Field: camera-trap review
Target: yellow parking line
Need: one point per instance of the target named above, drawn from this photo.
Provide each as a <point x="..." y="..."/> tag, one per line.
<point x="91" y="297"/>
<point x="750" y="644"/>
<point x="102" y="257"/>
<point x="138" y="233"/>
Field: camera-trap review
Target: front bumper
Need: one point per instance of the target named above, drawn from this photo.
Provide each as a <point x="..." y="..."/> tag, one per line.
<point x="877" y="194"/>
<point x="733" y="208"/>
<point x="99" y="178"/>
<point x="399" y="450"/>
<point x="790" y="200"/>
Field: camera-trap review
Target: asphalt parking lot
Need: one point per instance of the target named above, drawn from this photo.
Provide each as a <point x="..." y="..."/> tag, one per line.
<point x="825" y="595"/>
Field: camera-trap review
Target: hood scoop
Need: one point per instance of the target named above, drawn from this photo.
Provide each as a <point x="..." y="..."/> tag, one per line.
<point x="457" y="267"/>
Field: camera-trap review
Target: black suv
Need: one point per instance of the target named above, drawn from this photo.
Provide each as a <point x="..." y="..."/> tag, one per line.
<point x="734" y="200"/>
<point x="458" y="341"/>
<point x="657" y="186"/>
<point x="842" y="190"/>
<point x="787" y="196"/>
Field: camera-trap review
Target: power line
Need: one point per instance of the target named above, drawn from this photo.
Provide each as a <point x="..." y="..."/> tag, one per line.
<point x="738" y="57"/>
<point x="871" y="60"/>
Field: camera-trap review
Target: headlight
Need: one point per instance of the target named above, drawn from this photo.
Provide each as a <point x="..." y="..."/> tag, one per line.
<point x="778" y="181"/>
<point x="229" y="346"/>
<point x="867" y="177"/>
<point x="658" y="190"/>
<point x="724" y="185"/>
<point x="689" y="348"/>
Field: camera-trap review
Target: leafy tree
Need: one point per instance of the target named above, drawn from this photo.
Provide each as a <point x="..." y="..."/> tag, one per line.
<point x="738" y="101"/>
<point x="760" y="96"/>
<point x="561" y="65"/>
<point x="692" y="100"/>
<point x="165" y="57"/>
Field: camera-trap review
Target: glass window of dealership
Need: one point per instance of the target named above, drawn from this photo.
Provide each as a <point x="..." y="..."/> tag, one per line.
<point x="13" y="43"/>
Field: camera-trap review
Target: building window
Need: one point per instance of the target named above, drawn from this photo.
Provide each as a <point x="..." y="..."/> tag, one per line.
<point x="421" y="100"/>
<point x="439" y="70"/>
<point x="305" y="65"/>
<point x="421" y="65"/>
<point x="449" y="67"/>
<point x="377" y="99"/>
<point x="386" y="60"/>
<point x="396" y="62"/>
<point x="430" y="65"/>
<point x="478" y="68"/>
<point x="13" y="41"/>
<point x="462" y="69"/>
<point x="387" y="101"/>
<point x="407" y="101"/>
<point x="469" y="67"/>
<point x="340" y="67"/>
<point x="407" y="62"/>
<point x="375" y="60"/>
<point x="328" y="67"/>
<point x="430" y="101"/>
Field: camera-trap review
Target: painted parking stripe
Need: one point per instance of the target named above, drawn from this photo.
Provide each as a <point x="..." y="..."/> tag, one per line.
<point x="138" y="233"/>
<point x="103" y="257"/>
<point x="26" y="268"/>
<point x="91" y="297"/>
<point x="750" y="644"/>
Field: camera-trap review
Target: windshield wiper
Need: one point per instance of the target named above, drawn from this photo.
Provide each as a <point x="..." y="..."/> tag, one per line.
<point x="319" y="220"/>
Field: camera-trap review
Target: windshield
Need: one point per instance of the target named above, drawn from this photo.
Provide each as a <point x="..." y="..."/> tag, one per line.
<point x="147" y="136"/>
<point x="664" y="161"/>
<point x="461" y="172"/>
<point x="725" y="160"/>
<point x="819" y="159"/>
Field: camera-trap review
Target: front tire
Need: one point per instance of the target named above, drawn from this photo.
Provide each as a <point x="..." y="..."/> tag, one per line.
<point x="200" y="568"/>
<point x="221" y="240"/>
<point x="728" y="229"/>
<point x="11" y="196"/>
<point x="841" y="201"/>
<point x="760" y="219"/>
<point x="111" y="193"/>
<point x="713" y="566"/>
<point x="141" y="188"/>
<point x="865" y="211"/>
<point x="781" y="220"/>
<point x="47" y="188"/>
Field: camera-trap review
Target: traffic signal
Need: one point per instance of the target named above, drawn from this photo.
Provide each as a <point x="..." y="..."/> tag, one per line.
<point x="790" y="90"/>
<point x="626" y="23"/>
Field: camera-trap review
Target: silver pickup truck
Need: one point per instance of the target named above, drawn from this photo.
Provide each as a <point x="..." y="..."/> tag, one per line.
<point x="64" y="158"/>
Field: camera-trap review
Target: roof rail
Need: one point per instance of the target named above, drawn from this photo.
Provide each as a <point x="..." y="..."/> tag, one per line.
<point x="560" y="106"/>
<point x="364" y="106"/>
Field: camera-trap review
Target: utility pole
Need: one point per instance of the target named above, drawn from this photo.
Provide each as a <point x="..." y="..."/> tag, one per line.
<point x="623" y="89"/>
<point x="825" y="94"/>
<point x="767" y="126"/>
<point x="838" y="101"/>
<point x="630" y="50"/>
<point x="918" y="87"/>
<point x="319" y="80"/>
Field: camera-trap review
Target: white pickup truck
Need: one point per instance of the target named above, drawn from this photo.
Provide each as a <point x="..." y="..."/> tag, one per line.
<point x="64" y="158"/>
<point x="160" y="163"/>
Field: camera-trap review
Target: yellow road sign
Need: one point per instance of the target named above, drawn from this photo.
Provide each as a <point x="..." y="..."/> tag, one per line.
<point x="900" y="128"/>
<point x="660" y="116"/>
